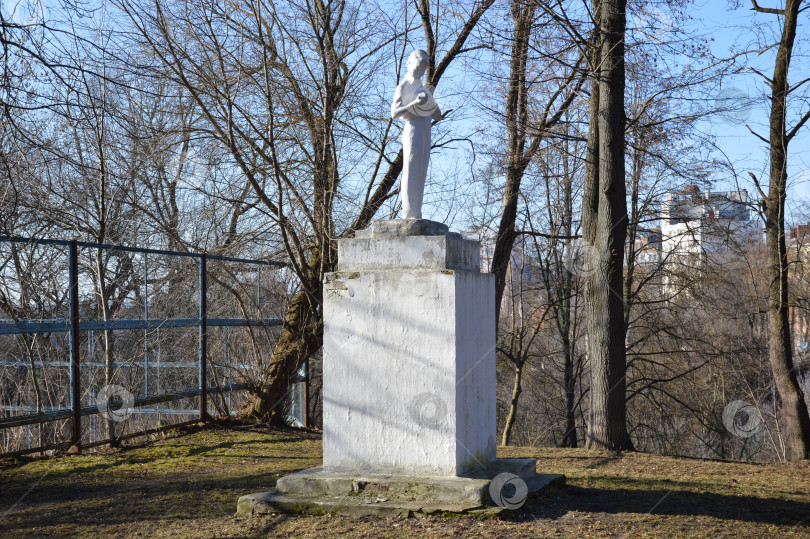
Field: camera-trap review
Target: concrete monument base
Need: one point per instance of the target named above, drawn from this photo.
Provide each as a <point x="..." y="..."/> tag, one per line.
<point x="315" y="491"/>
<point x="409" y="354"/>
<point x="408" y="384"/>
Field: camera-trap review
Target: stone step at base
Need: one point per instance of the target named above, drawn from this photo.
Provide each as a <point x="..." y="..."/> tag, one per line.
<point x="314" y="491"/>
<point x="271" y="502"/>
<point x="315" y="482"/>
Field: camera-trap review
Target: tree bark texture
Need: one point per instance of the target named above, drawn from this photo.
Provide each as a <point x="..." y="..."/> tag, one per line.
<point x="780" y="352"/>
<point x="604" y="230"/>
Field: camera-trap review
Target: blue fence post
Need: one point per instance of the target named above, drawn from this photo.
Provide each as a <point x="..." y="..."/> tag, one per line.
<point x="203" y="337"/>
<point x="75" y="372"/>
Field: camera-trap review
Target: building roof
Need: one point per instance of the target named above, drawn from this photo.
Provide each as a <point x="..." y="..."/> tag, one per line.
<point x="690" y="204"/>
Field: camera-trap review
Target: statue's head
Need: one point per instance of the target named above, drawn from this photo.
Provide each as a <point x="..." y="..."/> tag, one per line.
<point x="417" y="62"/>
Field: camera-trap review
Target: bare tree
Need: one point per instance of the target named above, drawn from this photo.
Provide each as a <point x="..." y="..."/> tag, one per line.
<point x="529" y="117"/>
<point x="794" y="402"/>
<point x="281" y="87"/>
<point x="604" y="225"/>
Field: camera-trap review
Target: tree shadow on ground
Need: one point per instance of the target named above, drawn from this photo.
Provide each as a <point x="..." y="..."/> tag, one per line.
<point x="678" y="501"/>
<point x="115" y="502"/>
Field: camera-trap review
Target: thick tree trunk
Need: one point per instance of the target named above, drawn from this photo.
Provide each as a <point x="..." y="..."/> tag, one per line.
<point x="516" y="124"/>
<point x="301" y="336"/>
<point x="510" y="418"/>
<point x="569" y="380"/>
<point x="505" y="239"/>
<point x="604" y="231"/>
<point x="780" y="352"/>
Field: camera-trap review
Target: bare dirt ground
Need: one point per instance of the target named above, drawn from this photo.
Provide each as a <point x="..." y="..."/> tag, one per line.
<point x="186" y="484"/>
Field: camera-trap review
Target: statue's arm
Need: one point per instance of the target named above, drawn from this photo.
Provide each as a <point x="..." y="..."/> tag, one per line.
<point x="398" y="110"/>
<point x="396" y="105"/>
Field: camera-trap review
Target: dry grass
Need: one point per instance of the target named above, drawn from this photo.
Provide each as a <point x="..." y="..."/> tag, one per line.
<point x="187" y="484"/>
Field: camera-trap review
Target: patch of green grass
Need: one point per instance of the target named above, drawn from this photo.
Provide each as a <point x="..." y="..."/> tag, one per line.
<point x="186" y="485"/>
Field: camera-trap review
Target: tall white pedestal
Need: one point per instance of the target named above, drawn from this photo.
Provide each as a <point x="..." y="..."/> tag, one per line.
<point x="408" y="385"/>
<point x="409" y="356"/>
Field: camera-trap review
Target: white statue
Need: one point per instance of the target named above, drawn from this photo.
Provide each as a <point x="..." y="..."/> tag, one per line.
<point x="414" y="103"/>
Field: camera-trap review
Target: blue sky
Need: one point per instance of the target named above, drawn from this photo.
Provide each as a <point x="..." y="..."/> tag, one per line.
<point x="732" y="27"/>
<point x="730" y="24"/>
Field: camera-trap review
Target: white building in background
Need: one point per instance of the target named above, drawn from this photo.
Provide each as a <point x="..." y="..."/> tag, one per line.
<point x="647" y="247"/>
<point x="696" y="222"/>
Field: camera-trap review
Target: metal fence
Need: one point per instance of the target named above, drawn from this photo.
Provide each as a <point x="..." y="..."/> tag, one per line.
<point x="79" y="399"/>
